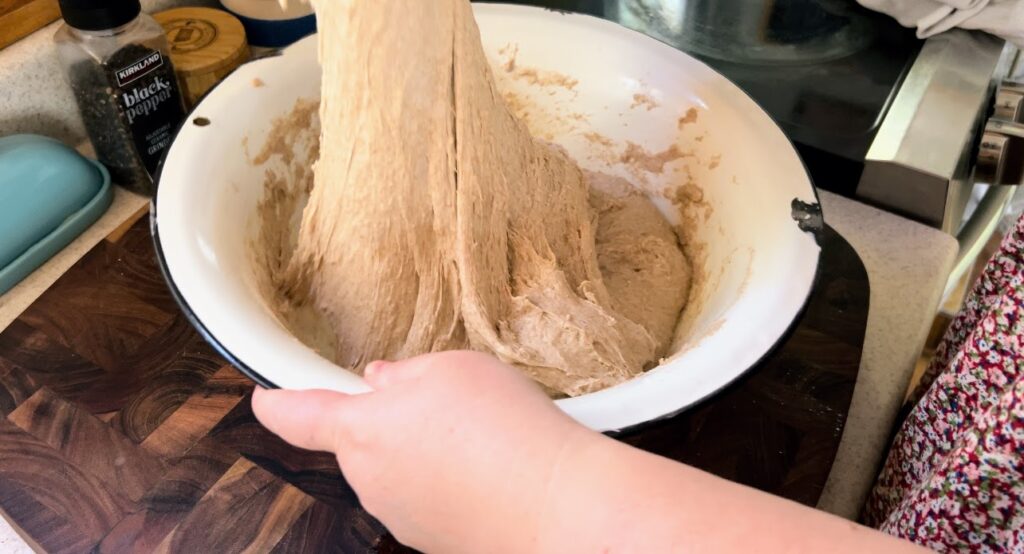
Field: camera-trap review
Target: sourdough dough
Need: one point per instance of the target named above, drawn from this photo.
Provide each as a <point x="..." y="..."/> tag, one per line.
<point x="436" y="221"/>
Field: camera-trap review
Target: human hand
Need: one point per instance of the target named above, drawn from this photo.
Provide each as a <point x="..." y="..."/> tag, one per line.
<point x="457" y="452"/>
<point x="452" y="452"/>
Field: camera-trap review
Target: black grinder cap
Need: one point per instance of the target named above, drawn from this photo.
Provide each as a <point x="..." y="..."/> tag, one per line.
<point x="98" y="15"/>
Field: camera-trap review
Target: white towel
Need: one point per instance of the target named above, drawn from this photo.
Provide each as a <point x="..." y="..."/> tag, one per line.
<point x="1003" y="18"/>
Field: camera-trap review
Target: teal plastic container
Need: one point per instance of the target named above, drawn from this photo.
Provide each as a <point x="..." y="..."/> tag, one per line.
<point x="49" y="194"/>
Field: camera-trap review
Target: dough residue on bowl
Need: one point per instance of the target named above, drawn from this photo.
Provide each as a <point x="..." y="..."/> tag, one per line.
<point x="642" y="99"/>
<point x="533" y="75"/>
<point x="434" y="221"/>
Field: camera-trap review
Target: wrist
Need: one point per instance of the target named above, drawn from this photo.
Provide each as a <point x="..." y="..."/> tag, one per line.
<point x="575" y="491"/>
<point x="504" y="507"/>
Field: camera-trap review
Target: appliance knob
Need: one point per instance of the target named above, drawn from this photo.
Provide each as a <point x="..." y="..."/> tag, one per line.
<point x="1001" y="154"/>
<point x="1009" y="105"/>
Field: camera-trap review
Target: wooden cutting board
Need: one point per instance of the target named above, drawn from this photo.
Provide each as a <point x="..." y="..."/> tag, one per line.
<point x="121" y="430"/>
<point x="20" y="18"/>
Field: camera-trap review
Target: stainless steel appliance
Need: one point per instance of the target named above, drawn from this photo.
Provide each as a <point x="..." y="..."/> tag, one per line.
<point x="907" y="125"/>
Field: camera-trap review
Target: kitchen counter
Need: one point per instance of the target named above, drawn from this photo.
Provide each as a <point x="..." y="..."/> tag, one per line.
<point x="907" y="264"/>
<point x="35" y="98"/>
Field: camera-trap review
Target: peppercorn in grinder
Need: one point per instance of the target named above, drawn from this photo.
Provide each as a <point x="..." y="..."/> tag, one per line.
<point x="118" y="65"/>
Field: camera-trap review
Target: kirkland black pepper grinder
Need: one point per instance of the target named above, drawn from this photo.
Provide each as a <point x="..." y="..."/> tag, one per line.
<point x="118" y="64"/>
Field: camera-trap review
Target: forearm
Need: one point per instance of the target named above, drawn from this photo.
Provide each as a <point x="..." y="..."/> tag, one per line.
<point x="609" y="497"/>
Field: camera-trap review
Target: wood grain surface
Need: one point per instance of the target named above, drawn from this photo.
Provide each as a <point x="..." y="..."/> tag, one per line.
<point x="20" y="18"/>
<point x="121" y="430"/>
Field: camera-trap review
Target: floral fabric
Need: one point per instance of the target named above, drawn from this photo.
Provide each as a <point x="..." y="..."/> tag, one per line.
<point x="954" y="479"/>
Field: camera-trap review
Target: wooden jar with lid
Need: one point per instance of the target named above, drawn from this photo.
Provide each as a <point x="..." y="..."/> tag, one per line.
<point x="206" y="45"/>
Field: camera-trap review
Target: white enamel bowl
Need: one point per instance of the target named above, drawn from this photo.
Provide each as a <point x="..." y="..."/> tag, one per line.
<point x="761" y="265"/>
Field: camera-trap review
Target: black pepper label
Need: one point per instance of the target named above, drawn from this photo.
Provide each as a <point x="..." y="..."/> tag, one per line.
<point x="139" y="69"/>
<point x="151" y="104"/>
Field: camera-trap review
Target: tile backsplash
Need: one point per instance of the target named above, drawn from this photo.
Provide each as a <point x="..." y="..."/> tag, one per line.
<point x="34" y="97"/>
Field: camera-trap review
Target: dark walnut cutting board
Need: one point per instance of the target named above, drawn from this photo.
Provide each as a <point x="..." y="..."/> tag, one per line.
<point x="121" y="430"/>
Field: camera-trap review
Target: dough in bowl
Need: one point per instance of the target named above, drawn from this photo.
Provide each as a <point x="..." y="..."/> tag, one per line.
<point x="436" y="221"/>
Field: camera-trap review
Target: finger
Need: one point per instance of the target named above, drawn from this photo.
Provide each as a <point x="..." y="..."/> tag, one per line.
<point x="382" y="375"/>
<point x="306" y="419"/>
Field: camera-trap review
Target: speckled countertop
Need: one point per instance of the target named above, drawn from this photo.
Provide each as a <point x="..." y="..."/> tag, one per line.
<point x="908" y="265"/>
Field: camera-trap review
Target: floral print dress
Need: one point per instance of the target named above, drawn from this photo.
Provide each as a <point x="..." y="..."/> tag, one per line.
<point x="954" y="479"/>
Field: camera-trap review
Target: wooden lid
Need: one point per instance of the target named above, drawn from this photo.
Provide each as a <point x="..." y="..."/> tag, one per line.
<point x="203" y="40"/>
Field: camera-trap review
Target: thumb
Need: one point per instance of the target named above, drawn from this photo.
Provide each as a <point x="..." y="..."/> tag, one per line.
<point x="306" y="419"/>
<point x="382" y="375"/>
